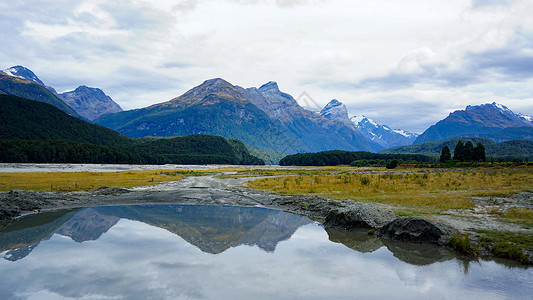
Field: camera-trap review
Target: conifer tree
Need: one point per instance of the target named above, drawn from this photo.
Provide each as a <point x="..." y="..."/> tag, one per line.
<point x="445" y="154"/>
<point x="479" y="153"/>
<point x="458" y="153"/>
<point x="468" y="151"/>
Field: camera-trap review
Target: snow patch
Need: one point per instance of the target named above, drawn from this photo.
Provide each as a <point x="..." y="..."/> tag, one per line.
<point x="12" y="72"/>
<point x="526" y="117"/>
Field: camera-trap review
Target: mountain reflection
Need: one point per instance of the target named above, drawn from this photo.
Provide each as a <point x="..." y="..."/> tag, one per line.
<point x="213" y="229"/>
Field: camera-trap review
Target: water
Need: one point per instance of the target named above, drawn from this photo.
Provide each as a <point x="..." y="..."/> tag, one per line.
<point x="213" y="252"/>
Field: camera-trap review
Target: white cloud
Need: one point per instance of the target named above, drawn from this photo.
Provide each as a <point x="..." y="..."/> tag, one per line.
<point x="322" y="47"/>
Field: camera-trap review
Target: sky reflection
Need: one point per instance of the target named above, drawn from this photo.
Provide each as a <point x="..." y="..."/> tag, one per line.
<point x="133" y="260"/>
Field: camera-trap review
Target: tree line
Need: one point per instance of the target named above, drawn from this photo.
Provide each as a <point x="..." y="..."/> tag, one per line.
<point x="193" y="150"/>
<point x="358" y="158"/>
<point x="464" y="152"/>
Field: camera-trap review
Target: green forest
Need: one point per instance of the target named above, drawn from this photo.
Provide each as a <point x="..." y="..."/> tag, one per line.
<point x="359" y="158"/>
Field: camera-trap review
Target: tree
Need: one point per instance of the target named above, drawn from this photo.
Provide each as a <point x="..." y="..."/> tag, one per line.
<point x="392" y="164"/>
<point x="445" y="155"/>
<point x="468" y="153"/>
<point x="479" y="153"/>
<point x="458" y="153"/>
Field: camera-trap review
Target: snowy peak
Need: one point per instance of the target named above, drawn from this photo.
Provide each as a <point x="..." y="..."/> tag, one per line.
<point x="474" y="121"/>
<point x="364" y="121"/>
<point x="382" y="134"/>
<point x="526" y="118"/>
<point x="24" y="73"/>
<point x="335" y="110"/>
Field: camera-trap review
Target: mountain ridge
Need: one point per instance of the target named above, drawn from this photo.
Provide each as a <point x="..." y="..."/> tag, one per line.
<point x="264" y="118"/>
<point x="473" y="121"/>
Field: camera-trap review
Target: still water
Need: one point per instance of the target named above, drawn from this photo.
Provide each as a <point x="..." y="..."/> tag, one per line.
<point x="213" y="252"/>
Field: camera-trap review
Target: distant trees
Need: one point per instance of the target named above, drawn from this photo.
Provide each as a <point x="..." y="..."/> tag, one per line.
<point x="464" y="152"/>
<point x="356" y="159"/>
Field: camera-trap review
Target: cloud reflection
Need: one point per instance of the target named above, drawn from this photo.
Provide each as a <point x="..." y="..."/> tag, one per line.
<point x="137" y="261"/>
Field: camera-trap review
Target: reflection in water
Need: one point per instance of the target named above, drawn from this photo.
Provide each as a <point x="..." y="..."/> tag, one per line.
<point x="180" y="251"/>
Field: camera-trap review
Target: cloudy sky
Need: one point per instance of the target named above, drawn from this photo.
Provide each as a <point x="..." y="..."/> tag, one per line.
<point x="403" y="63"/>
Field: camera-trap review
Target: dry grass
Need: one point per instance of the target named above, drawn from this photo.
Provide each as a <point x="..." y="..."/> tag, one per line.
<point x="518" y="215"/>
<point x="75" y="181"/>
<point x="417" y="193"/>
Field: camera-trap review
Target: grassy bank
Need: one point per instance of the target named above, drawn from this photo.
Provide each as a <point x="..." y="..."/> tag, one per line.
<point x="409" y="193"/>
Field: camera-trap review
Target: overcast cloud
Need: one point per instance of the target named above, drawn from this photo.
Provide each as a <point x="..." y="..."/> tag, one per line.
<point x="406" y="64"/>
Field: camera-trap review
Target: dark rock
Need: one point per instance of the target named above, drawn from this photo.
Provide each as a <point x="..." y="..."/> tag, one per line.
<point x="110" y="191"/>
<point x="418" y="231"/>
<point x="359" y="216"/>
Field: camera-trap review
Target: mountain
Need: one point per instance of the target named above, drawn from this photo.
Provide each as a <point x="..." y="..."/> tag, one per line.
<point x="263" y="118"/>
<point x="505" y="150"/>
<point x="383" y="134"/>
<point x="91" y="103"/>
<point x="485" y="119"/>
<point x="335" y="110"/>
<point x="214" y="107"/>
<point x="23" y="73"/>
<point x="16" y="86"/>
<point x="304" y="127"/>
<point x="379" y="136"/>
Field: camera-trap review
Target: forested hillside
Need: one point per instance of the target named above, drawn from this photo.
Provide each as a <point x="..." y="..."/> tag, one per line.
<point x="35" y="132"/>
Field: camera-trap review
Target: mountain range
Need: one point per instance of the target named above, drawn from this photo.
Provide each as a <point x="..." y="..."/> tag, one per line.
<point x="264" y="118"/>
<point x="486" y="120"/>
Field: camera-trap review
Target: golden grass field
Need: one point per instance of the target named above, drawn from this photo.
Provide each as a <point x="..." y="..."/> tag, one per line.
<point x="409" y="193"/>
<point x="81" y="181"/>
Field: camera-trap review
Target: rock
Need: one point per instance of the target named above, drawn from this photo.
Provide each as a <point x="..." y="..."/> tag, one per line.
<point x="110" y="191"/>
<point x="418" y="231"/>
<point x="358" y="216"/>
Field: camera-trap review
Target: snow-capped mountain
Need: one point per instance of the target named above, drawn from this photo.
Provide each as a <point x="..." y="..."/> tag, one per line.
<point x="383" y="134"/>
<point x="479" y="120"/>
<point x="335" y="110"/>
<point x="24" y="73"/>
